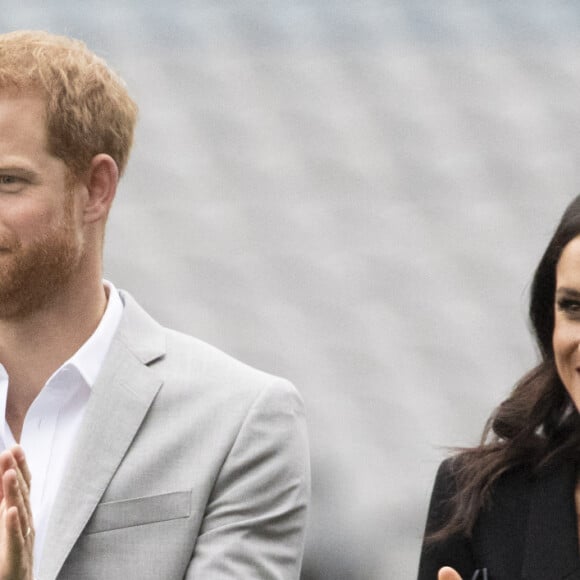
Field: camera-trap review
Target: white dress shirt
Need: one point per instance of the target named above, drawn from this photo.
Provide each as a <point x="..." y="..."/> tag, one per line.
<point x="53" y="419"/>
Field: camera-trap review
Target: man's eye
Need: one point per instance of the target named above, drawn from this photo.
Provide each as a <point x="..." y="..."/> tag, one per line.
<point x="11" y="183"/>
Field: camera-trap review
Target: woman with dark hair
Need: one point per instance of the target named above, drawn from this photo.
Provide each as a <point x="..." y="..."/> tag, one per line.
<point x="510" y="507"/>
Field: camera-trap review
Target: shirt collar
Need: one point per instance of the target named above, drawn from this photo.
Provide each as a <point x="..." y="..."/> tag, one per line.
<point x="88" y="360"/>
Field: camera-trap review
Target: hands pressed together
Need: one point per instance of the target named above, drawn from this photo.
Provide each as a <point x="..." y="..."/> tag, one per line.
<point x="16" y="527"/>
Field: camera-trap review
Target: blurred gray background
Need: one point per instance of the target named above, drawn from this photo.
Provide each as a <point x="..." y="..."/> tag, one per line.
<point x="353" y="195"/>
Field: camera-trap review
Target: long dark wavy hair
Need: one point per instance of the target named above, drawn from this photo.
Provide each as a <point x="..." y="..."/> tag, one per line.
<point x="537" y="425"/>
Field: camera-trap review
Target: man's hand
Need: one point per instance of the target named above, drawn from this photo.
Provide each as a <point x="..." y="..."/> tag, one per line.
<point x="16" y="528"/>
<point x="447" y="573"/>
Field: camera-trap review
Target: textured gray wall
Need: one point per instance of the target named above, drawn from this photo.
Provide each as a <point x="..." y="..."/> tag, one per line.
<point x="352" y="195"/>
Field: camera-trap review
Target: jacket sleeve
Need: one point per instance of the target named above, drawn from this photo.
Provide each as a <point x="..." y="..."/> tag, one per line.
<point x="254" y="523"/>
<point x="454" y="551"/>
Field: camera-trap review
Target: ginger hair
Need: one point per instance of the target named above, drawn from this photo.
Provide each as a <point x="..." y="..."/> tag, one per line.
<point x="88" y="109"/>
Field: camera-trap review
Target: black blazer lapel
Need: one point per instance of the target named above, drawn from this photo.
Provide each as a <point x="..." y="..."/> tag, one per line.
<point x="551" y="547"/>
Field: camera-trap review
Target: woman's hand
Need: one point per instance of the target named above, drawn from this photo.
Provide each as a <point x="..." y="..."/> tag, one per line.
<point x="447" y="573"/>
<point x="16" y="528"/>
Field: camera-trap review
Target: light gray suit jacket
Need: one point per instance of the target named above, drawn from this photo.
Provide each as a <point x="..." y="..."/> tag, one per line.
<point x="188" y="465"/>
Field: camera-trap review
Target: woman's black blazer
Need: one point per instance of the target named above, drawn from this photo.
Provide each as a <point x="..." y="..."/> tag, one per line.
<point x="529" y="530"/>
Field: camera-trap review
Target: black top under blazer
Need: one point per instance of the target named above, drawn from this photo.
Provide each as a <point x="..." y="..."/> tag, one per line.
<point x="528" y="530"/>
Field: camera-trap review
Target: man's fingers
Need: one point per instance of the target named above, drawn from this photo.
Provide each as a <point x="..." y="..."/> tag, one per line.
<point x="15" y="540"/>
<point x="14" y="528"/>
<point x="15" y="498"/>
<point x="17" y="532"/>
<point x="24" y="478"/>
<point x="20" y="458"/>
<point x="7" y="462"/>
<point x="447" y="573"/>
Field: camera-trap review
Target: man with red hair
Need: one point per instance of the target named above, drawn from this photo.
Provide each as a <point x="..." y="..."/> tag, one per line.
<point x="129" y="450"/>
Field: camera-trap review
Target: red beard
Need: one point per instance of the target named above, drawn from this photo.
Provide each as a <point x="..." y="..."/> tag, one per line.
<point x="31" y="277"/>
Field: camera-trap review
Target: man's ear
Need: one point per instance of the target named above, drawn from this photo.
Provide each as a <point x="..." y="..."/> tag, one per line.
<point x="101" y="182"/>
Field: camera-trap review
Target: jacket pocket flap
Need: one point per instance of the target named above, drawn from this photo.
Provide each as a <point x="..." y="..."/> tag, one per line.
<point x="127" y="513"/>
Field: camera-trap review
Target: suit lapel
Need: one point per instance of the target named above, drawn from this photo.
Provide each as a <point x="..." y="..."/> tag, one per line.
<point x="552" y="538"/>
<point x="118" y="404"/>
